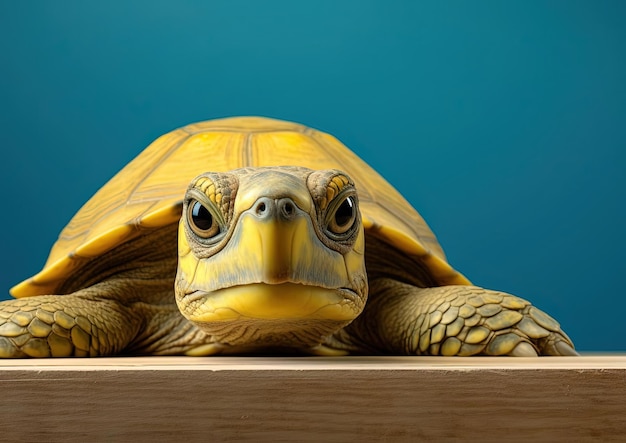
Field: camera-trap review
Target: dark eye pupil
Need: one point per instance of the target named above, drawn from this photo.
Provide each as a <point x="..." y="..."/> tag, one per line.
<point x="201" y="217"/>
<point x="345" y="212"/>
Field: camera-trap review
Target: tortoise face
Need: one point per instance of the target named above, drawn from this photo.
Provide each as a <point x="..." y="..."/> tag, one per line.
<point x="271" y="257"/>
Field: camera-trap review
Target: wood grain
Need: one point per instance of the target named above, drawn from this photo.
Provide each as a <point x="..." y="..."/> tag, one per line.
<point x="314" y="399"/>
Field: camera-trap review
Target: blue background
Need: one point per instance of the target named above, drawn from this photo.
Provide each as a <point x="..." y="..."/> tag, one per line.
<point x="504" y="123"/>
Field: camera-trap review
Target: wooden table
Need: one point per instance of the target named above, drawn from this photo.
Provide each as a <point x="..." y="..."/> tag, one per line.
<point x="361" y="399"/>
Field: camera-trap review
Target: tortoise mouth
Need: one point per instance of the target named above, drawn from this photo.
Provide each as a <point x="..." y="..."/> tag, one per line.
<point x="271" y="315"/>
<point x="271" y="302"/>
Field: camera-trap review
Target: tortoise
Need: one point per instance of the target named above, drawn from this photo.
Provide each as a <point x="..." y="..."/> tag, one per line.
<point x="276" y="250"/>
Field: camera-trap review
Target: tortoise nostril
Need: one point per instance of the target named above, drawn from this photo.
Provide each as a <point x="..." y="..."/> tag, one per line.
<point x="266" y="208"/>
<point x="286" y="208"/>
<point x="261" y="208"/>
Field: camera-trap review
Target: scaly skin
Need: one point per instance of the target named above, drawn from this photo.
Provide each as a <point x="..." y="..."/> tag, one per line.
<point x="55" y="326"/>
<point x="89" y="323"/>
<point x="451" y="320"/>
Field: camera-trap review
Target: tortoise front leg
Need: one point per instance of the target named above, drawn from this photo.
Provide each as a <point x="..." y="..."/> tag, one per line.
<point x="455" y="320"/>
<point x="64" y="325"/>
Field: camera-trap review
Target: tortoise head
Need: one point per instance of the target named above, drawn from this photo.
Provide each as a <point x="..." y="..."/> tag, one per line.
<point x="271" y="257"/>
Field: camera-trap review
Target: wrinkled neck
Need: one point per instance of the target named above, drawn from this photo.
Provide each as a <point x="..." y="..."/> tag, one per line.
<point x="385" y="261"/>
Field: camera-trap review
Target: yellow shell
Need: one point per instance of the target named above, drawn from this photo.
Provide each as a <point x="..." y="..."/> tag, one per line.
<point x="149" y="190"/>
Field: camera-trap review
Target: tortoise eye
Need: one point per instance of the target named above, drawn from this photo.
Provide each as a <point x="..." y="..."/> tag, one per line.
<point x="201" y="220"/>
<point x="343" y="218"/>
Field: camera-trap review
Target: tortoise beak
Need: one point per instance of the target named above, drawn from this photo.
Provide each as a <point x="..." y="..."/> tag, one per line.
<point x="277" y="231"/>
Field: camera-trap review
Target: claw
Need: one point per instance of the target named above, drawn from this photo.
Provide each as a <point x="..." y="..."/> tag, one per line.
<point x="205" y="350"/>
<point x="565" y="349"/>
<point x="327" y="351"/>
<point x="524" y="350"/>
